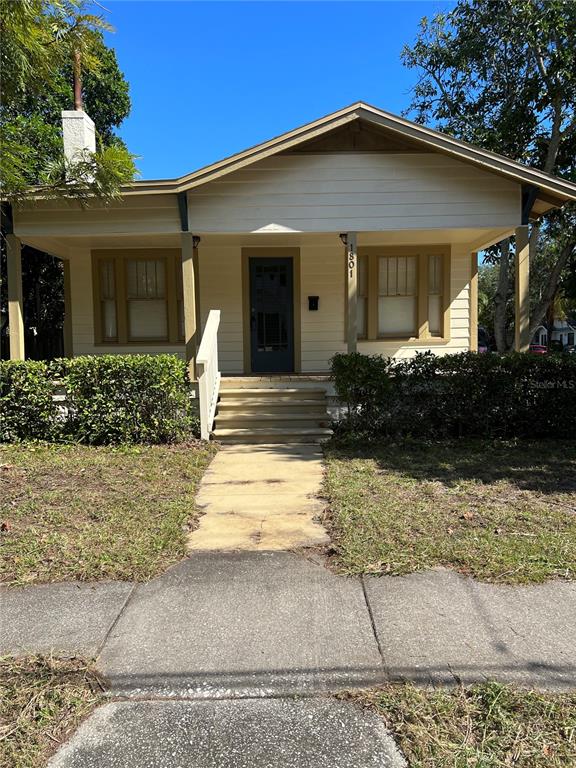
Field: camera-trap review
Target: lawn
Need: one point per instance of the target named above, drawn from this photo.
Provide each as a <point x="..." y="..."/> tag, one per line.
<point x="484" y="726"/>
<point x="42" y="701"/>
<point x="503" y="512"/>
<point x="77" y="512"/>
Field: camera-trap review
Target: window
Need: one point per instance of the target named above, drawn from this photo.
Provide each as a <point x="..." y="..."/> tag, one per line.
<point x="396" y="295"/>
<point x="138" y="296"/>
<point x="146" y="299"/>
<point x="435" y="289"/>
<point x="402" y="293"/>
<point x="109" y="328"/>
<point x="362" y="297"/>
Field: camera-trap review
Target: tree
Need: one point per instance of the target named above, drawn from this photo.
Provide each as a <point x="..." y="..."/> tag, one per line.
<point x="501" y="74"/>
<point x="31" y="119"/>
<point x="41" y="42"/>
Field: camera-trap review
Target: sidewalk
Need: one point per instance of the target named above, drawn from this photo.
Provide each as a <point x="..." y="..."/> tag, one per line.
<point x="224" y="625"/>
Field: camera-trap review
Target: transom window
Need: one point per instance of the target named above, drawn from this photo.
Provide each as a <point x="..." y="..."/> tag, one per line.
<point x="401" y="293"/>
<point x="138" y="297"/>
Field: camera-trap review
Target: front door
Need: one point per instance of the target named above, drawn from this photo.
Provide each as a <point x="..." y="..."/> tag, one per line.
<point x="271" y="315"/>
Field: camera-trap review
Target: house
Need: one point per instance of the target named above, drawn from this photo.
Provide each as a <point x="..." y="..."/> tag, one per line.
<point x="563" y="331"/>
<point x="358" y="231"/>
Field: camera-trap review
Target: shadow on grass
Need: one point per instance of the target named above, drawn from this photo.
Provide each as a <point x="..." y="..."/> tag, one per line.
<point x="546" y="467"/>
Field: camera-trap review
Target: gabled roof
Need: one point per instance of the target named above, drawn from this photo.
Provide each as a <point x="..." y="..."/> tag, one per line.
<point x="552" y="191"/>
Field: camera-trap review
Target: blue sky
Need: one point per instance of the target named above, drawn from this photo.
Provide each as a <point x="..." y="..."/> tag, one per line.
<point x="211" y="78"/>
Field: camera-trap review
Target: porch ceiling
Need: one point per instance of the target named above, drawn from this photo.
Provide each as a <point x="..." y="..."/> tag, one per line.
<point x="64" y="247"/>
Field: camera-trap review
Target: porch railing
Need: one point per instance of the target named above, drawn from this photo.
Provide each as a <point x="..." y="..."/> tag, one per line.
<point x="208" y="373"/>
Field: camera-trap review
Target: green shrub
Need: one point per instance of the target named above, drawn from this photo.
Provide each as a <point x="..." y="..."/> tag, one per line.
<point x="517" y="395"/>
<point x="109" y="398"/>
<point x="27" y="409"/>
<point x="363" y="385"/>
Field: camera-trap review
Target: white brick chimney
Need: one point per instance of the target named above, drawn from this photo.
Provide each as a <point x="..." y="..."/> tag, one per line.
<point x="79" y="134"/>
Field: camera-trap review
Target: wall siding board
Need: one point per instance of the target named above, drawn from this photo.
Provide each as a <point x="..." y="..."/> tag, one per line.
<point x="357" y="192"/>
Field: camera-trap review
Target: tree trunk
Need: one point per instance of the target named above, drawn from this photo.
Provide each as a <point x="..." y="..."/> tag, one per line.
<point x="501" y="297"/>
<point x="551" y="288"/>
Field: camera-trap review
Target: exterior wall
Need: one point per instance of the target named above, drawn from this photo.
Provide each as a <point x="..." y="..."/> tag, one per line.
<point x="82" y="302"/>
<point x="323" y="331"/>
<point x="362" y="191"/>
<point x="133" y="215"/>
<point x="220" y="280"/>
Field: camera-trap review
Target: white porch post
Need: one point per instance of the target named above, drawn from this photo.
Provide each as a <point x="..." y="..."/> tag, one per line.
<point x="189" y="289"/>
<point x="15" y="297"/>
<point x="522" y="294"/>
<point x="352" y="291"/>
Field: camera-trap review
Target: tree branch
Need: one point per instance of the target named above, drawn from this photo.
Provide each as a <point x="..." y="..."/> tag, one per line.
<point x="551" y="287"/>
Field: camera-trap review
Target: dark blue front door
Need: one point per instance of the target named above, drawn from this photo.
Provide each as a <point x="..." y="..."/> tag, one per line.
<point x="271" y="315"/>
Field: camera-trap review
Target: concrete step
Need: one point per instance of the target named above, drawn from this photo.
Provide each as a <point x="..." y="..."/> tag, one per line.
<point x="273" y="435"/>
<point x="265" y="416"/>
<point x="317" y="407"/>
<point x="263" y="393"/>
<point x="266" y="421"/>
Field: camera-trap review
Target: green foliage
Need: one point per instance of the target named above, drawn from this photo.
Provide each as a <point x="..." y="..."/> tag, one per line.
<point x="363" y="384"/>
<point x="517" y="395"/>
<point x="501" y="74"/>
<point x="39" y="40"/>
<point x="111" y="399"/>
<point x="26" y="405"/>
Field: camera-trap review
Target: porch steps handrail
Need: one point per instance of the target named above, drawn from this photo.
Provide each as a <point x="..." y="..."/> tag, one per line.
<point x="208" y="373"/>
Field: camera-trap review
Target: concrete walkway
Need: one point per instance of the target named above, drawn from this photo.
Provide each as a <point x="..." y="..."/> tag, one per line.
<point x="261" y="498"/>
<point x="256" y="624"/>
<point x="219" y="658"/>
<point x="269" y="733"/>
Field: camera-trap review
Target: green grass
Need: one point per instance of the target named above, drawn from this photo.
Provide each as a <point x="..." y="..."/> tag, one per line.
<point x="42" y="700"/>
<point x="484" y="726"/>
<point x="77" y="512"/>
<point x="503" y="512"/>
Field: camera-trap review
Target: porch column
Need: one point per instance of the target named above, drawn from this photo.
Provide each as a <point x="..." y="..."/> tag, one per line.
<point x="68" y="348"/>
<point x="522" y="297"/>
<point x="189" y="257"/>
<point x="15" y="297"/>
<point x="352" y="291"/>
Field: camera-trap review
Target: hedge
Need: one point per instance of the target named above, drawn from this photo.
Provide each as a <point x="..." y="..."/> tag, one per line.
<point x="500" y="396"/>
<point x="110" y="399"/>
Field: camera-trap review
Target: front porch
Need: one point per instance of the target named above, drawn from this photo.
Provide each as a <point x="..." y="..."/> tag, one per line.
<point x="268" y="304"/>
<point x="333" y="299"/>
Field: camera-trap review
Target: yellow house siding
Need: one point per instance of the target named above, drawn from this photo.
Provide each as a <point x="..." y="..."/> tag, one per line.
<point x="361" y="191"/>
<point x="323" y="333"/>
<point x="220" y="269"/>
<point x="132" y="215"/>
